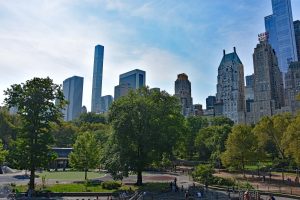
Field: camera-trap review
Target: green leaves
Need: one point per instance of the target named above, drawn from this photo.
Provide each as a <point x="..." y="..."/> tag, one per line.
<point x="146" y="124"/>
<point x="241" y="147"/>
<point x="3" y="153"/>
<point x="86" y="152"/>
<point x="35" y="103"/>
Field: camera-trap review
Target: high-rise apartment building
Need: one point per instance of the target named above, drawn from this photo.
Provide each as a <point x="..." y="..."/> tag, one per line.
<point x="230" y="97"/>
<point x="280" y="28"/>
<point x="292" y="83"/>
<point x="268" y="84"/>
<point x="73" y="89"/>
<point x="131" y="80"/>
<point x="106" y="102"/>
<point x="297" y="37"/>
<point x="97" y="79"/>
<point x="183" y="92"/>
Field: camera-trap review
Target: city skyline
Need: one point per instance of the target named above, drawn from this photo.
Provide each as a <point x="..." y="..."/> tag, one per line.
<point x="58" y="40"/>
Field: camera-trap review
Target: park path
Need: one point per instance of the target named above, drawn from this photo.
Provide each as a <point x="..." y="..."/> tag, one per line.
<point x="275" y="185"/>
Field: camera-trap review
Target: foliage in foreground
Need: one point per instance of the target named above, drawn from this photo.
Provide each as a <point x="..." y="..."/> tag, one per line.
<point x="34" y="101"/>
<point x="146" y="125"/>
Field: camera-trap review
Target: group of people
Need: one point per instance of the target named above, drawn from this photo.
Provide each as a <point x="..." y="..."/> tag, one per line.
<point x="247" y="196"/>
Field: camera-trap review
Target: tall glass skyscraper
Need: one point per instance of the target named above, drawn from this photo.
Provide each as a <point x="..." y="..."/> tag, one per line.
<point x="280" y="27"/>
<point x="130" y="80"/>
<point x="72" y="89"/>
<point x="97" y="79"/>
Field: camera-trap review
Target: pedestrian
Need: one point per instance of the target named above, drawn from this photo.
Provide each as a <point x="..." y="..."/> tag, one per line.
<point x="246" y="195"/>
<point x="182" y="188"/>
<point x="271" y="197"/>
<point x="175" y="180"/>
<point x="186" y="195"/>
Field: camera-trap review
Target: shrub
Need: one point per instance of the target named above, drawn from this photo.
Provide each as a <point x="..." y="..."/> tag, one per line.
<point x="111" y="185"/>
<point x="203" y="173"/>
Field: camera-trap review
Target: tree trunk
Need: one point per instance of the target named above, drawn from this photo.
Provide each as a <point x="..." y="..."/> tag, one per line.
<point x="32" y="176"/>
<point x="139" y="178"/>
<point x="85" y="174"/>
<point x="243" y="166"/>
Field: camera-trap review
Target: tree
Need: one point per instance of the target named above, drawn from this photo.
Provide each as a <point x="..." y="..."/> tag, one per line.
<point x="210" y="142"/>
<point x="194" y="124"/>
<point x="291" y="140"/>
<point x="220" y="121"/>
<point x="203" y="173"/>
<point x="85" y="154"/>
<point x="91" y="117"/>
<point x="270" y="130"/>
<point x="35" y="103"/>
<point x="146" y="124"/>
<point x="241" y="147"/>
<point x="8" y="126"/>
<point x="3" y="154"/>
<point x="64" y="134"/>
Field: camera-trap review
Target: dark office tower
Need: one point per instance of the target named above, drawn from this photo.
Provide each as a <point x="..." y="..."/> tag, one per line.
<point x="297" y="37"/>
<point x="210" y="102"/>
<point x="97" y="79"/>
<point x="249" y="93"/>
<point x="230" y="97"/>
<point x="131" y="80"/>
<point x="268" y="85"/>
<point x="280" y="28"/>
<point x="72" y="89"/>
<point x="184" y="93"/>
<point x="292" y="83"/>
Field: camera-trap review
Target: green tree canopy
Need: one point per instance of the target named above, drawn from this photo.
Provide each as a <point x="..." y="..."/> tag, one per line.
<point x="64" y="134"/>
<point x="146" y="124"/>
<point x="91" y="117"/>
<point x="86" y="153"/>
<point x="220" y="121"/>
<point x="3" y="153"/>
<point x="270" y="130"/>
<point x="194" y="124"/>
<point x="241" y="147"/>
<point x="35" y="103"/>
<point x="210" y="142"/>
<point x="291" y="140"/>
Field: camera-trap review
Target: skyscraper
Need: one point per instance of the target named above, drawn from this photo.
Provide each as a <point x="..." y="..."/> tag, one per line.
<point x="72" y="89"/>
<point x="130" y="80"/>
<point x="249" y="93"/>
<point x="230" y="97"/>
<point x="97" y="78"/>
<point x="210" y="102"/>
<point x="297" y="37"/>
<point x="292" y="83"/>
<point x="106" y="102"/>
<point x="280" y="28"/>
<point x="183" y="92"/>
<point x="268" y="85"/>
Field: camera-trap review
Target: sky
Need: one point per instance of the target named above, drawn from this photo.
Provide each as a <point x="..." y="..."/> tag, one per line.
<point x="56" y="38"/>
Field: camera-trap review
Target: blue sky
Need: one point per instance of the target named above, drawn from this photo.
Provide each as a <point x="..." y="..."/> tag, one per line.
<point x="56" y="38"/>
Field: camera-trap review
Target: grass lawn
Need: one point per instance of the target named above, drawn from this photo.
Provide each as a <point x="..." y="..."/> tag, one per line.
<point x="69" y="175"/>
<point x="73" y="187"/>
<point x="80" y="187"/>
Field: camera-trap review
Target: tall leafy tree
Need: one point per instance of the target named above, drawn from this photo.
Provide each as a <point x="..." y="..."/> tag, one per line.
<point x="210" y="142"/>
<point x="270" y="130"/>
<point x="35" y="103"/>
<point x="194" y="124"/>
<point x="86" y="153"/>
<point x="291" y="140"/>
<point x="241" y="147"/>
<point x="146" y="126"/>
